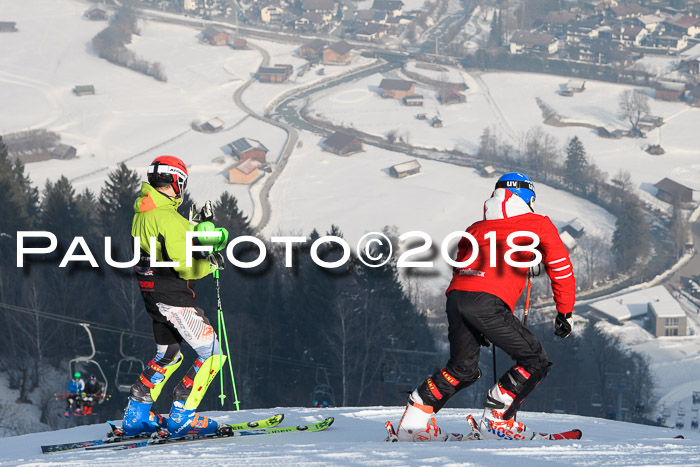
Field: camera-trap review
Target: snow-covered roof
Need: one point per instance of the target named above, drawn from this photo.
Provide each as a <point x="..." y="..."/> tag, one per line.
<point x="635" y="304"/>
<point x="568" y="241"/>
<point x="407" y="166"/>
<point x="576" y="224"/>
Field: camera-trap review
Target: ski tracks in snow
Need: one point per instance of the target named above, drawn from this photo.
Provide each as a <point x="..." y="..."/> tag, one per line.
<point x="504" y="125"/>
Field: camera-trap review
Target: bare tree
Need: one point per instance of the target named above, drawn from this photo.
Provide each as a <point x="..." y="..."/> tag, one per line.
<point x="633" y="105"/>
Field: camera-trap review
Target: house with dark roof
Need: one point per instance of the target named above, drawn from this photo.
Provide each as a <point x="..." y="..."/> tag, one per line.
<point x="413" y="100"/>
<point x="669" y="190"/>
<point x="84" y="90"/>
<point x="338" y="53"/>
<point x="557" y="22"/>
<point x="405" y="169"/>
<point x="214" y="36"/>
<point x="248" y="148"/>
<point x="64" y="151"/>
<point x="342" y="144"/>
<point x="390" y="7"/>
<point x="96" y="14"/>
<point x="319" y="6"/>
<point x="451" y="96"/>
<point x="274" y="74"/>
<point x="8" y="26"/>
<point x="239" y="44"/>
<point x="522" y="41"/>
<point x="397" y="88"/>
<point x="574" y="227"/>
<point x="312" y="50"/>
<point x="626" y="11"/>
<point x="369" y="32"/>
<point x="683" y="25"/>
<point x="370" y="16"/>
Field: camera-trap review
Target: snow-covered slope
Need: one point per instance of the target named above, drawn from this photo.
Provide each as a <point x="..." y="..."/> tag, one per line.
<point x="356" y="439"/>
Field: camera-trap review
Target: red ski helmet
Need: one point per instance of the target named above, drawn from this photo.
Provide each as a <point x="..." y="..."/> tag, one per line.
<point x="168" y="170"/>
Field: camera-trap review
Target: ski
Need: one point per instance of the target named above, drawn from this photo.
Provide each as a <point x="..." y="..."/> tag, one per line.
<point x="221" y="434"/>
<point x="114" y="440"/>
<point x="475" y="434"/>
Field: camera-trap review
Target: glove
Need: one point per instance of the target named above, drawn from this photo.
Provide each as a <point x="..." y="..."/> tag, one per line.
<point x="205" y="215"/>
<point x="216" y="260"/>
<point x="220" y="242"/>
<point x="563" y="324"/>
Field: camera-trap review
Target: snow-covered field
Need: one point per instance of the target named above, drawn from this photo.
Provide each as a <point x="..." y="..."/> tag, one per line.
<point x="507" y="102"/>
<point x="356" y="436"/>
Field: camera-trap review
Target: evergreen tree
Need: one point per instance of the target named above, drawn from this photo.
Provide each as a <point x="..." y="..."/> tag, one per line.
<point x="227" y="214"/>
<point x="116" y="204"/>
<point x="59" y="212"/>
<point x="576" y="163"/>
<point x="20" y="199"/>
<point x="631" y="237"/>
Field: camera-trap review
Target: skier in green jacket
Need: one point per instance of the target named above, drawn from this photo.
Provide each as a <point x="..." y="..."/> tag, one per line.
<point x="171" y="302"/>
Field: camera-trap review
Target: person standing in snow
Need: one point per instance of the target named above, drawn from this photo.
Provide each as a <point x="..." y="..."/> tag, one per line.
<point x="480" y="303"/>
<point x="171" y="303"/>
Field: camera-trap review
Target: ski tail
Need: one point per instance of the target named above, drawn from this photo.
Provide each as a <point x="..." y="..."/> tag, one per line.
<point x="391" y="437"/>
<point x="572" y="434"/>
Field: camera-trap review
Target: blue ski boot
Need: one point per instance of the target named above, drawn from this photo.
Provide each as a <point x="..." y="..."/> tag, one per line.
<point x="186" y="422"/>
<point x="138" y="419"/>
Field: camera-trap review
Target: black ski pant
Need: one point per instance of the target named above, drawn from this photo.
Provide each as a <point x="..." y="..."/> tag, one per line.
<point x="472" y="317"/>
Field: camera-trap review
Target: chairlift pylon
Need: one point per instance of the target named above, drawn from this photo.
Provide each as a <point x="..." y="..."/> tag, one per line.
<point x="323" y="390"/>
<point x="82" y="363"/>
<point x="128" y="368"/>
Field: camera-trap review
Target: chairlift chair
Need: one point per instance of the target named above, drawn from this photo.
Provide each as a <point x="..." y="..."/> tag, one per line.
<point x="128" y="369"/>
<point x="680" y="424"/>
<point x="681" y="410"/>
<point x="87" y="365"/>
<point x="665" y="412"/>
<point x="596" y="400"/>
<point x="323" y="390"/>
<point x="559" y="405"/>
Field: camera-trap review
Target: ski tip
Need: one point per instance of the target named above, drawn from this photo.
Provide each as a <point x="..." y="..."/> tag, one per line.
<point x="579" y="433"/>
<point x="679" y="437"/>
<point x="279" y="417"/>
<point x="328" y="422"/>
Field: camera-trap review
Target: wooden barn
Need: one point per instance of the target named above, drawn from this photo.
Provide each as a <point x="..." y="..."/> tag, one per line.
<point x="668" y="190"/>
<point x="213" y="125"/>
<point x="63" y="151"/>
<point x="342" y="144"/>
<point x="96" y="14"/>
<point x="397" y="88"/>
<point x="312" y="50"/>
<point x="239" y="44"/>
<point x="488" y="171"/>
<point x="405" y="169"/>
<point x="414" y="100"/>
<point x="244" y="171"/>
<point x="337" y="54"/>
<point x="436" y="122"/>
<point x="247" y="148"/>
<point x="84" y="90"/>
<point x="574" y="227"/>
<point x="451" y="96"/>
<point x="214" y="36"/>
<point x="669" y="90"/>
<point x="274" y="74"/>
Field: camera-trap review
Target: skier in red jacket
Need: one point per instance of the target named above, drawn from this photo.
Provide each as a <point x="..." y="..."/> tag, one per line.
<point x="480" y="302"/>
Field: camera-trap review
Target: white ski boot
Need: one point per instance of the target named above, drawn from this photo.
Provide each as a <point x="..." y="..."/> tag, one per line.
<point x="418" y="423"/>
<point x="493" y="425"/>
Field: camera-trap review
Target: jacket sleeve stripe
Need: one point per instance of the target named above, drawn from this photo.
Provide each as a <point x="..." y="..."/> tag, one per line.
<point x="562" y="268"/>
<point x="557" y="261"/>
<point x="564" y="277"/>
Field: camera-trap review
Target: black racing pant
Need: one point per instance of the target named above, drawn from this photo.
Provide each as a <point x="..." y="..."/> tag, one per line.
<point x="471" y="317"/>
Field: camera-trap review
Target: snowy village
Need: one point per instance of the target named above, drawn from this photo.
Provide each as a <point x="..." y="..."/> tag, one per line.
<point x="350" y="232"/>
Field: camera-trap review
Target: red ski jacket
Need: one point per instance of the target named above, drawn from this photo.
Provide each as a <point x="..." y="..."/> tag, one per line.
<point x="505" y="213"/>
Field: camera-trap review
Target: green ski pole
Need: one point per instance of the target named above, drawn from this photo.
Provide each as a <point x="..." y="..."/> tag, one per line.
<point x="223" y="338"/>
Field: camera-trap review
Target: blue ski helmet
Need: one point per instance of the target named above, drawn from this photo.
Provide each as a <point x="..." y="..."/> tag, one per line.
<point x="520" y="185"/>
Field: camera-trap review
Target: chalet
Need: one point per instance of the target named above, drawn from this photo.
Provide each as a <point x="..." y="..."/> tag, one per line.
<point x="397" y="88"/>
<point x="667" y="42"/>
<point x="405" y="169"/>
<point x="371" y="16"/>
<point x="649" y="122"/>
<point x="683" y="25"/>
<point x="96" y="14"/>
<point x="244" y="171"/>
<point x="692" y="66"/>
<point x="557" y="22"/>
<point x="574" y="227"/>
<point x="625" y="34"/>
<point x="84" y="90"/>
<point x="312" y="50"/>
<point x="583" y="29"/>
<point x="8" y="26"/>
<point x="213" y="125"/>
<point x="522" y="41"/>
<point x="313" y="21"/>
<point x="214" y="36"/>
<point x="576" y="85"/>
<point x="669" y="90"/>
<point x="488" y="171"/>
<point x="274" y="74"/>
<point x="694" y="96"/>
<point x="436" y="123"/>
<point x="271" y="14"/>
<point x="247" y="148"/>
<point x="451" y="96"/>
<point x="668" y="190"/>
<point x="609" y="131"/>
<point x="338" y="53"/>
<point x="325" y="7"/>
<point x="239" y="44"/>
<point x="342" y="144"/>
<point x="568" y="241"/>
<point x="369" y="32"/>
<point x="650" y="22"/>
<point x="390" y="7"/>
<point x="414" y="100"/>
<point x="666" y="316"/>
<point x="626" y="11"/>
<point x="421" y="116"/>
<point x="63" y="151"/>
